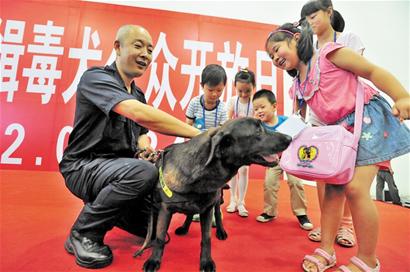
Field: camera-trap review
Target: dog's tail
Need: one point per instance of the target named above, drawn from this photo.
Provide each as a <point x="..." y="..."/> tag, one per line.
<point x="148" y="236"/>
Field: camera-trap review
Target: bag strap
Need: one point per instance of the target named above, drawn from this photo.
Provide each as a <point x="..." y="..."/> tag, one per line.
<point x="358" y="115"/>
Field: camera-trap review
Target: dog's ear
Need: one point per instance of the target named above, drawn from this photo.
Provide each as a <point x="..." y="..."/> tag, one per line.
<point x="219" y="141"/>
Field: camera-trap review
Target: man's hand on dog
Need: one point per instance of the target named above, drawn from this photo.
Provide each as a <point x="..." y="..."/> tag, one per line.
<point x="148" y="154"/>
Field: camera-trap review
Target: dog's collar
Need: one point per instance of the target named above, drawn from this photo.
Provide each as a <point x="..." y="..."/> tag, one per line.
<point x="164" y="186"/>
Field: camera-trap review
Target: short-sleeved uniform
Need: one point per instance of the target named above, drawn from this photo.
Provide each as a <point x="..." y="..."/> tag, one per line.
<point x="272" y="184"/>
<point x="99" y="165"/>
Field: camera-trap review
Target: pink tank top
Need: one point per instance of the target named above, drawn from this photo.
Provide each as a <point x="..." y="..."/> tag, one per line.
<point x="330" y="91"/>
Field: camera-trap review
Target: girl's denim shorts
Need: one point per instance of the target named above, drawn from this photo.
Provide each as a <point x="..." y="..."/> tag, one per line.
<point x="383" y="137"/>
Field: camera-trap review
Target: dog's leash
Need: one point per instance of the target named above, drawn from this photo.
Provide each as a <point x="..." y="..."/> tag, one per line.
<point x="147" y="242"/>
<point x="145" y="154"/>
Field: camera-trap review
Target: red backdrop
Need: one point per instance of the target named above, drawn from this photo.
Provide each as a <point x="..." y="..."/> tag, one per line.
<point x="46" y="45"/>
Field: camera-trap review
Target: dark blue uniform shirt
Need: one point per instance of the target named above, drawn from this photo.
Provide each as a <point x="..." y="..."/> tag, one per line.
<point x="98" y="131"/>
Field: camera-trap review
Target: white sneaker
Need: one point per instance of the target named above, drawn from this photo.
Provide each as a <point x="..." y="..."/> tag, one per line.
<point x="231" y="208"/>
<point x="213" y="218"/>
<point x="304" y="222"/>
<point x="242" y="211"/>
<point x="264" y="217"/>
<point x="196" y="217"/>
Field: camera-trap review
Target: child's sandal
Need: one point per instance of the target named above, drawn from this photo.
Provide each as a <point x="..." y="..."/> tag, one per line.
<point x="361" y="265"/>
<point x="320" y="266"/>
<point x="315" y="235"/>
<point x="345" y="237"/>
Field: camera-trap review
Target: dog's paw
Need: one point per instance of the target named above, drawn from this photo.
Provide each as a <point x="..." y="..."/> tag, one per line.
<point x="207" y="266"/>
<point x="221" y="234"/>
<point x="151" y="265"/>
<point x="181" y="231"/>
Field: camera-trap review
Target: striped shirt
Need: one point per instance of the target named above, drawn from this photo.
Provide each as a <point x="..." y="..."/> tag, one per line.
<point x="213" y="118"/>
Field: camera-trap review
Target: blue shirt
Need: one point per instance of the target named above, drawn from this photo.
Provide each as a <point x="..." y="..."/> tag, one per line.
<point x="281" y="119"/>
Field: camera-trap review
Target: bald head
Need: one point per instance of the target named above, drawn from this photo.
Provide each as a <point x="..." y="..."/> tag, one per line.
<point x="126" y="32"/>
<point x="133" y="46"/>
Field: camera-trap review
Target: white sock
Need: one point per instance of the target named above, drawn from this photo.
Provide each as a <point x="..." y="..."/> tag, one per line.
<point x="243" y="173"/>
<point x="233" y="184"/>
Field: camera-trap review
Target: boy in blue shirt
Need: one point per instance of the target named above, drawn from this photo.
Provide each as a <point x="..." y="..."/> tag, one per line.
<point x="264" y="105"/>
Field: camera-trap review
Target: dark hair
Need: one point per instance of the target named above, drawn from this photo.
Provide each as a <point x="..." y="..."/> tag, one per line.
<point x="245" y="76"/>
<point x="304" y="45"/>
<point x="213" y="74"/>
<point x="337" y="21"/>
<point x="268" y="94"/>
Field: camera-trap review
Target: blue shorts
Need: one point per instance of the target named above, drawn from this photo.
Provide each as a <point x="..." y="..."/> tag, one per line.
<point x="383" y="137"/>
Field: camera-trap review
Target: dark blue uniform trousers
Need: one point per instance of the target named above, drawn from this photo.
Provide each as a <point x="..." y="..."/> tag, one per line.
<point x="115" y="192"/>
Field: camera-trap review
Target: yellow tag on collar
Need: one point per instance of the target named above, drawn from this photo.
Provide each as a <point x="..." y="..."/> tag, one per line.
<point x="164" y="187"/>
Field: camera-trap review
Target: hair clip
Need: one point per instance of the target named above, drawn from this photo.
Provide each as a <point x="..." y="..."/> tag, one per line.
<point x="281" y="30"/>
<point x="244" y="70"/>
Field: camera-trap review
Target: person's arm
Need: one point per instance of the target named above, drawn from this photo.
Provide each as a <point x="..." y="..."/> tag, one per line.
<point x="347" y="59"/>
<point x="190" y="112"/>
<point x="230" y="113"/>
<point x="224" y="115"/>
<point x="230" y="110"/>
<point x="189" y="121"/>
<point x="154" y="119"/>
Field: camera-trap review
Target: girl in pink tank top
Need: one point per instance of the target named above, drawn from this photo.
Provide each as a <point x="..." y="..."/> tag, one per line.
<point x="328" y="25"/>
<point x="327" y="82"/>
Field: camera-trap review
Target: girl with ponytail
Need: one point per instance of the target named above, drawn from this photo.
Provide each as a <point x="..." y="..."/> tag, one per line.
<point x="326" y="80"/>
<point x="328" y="25"/>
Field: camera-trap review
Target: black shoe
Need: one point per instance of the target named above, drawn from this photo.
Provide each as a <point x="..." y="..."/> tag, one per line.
<point x="304" y="222"/>
<point x="88" y="254"/>
<point x="264" y="217"/>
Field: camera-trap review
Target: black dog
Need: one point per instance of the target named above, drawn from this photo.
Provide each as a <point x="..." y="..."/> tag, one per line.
<point x="221" y="233"/>
<point x="192" y="174"/>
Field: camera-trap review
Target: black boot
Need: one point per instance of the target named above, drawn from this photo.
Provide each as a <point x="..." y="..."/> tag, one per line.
<point x="88" y="253"/>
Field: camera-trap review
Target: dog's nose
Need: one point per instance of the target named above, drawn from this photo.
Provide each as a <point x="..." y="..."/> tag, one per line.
<point x="288" y="138"/>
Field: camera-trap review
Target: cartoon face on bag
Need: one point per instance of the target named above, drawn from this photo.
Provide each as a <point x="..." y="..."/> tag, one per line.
<point x="306" y="155"/>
